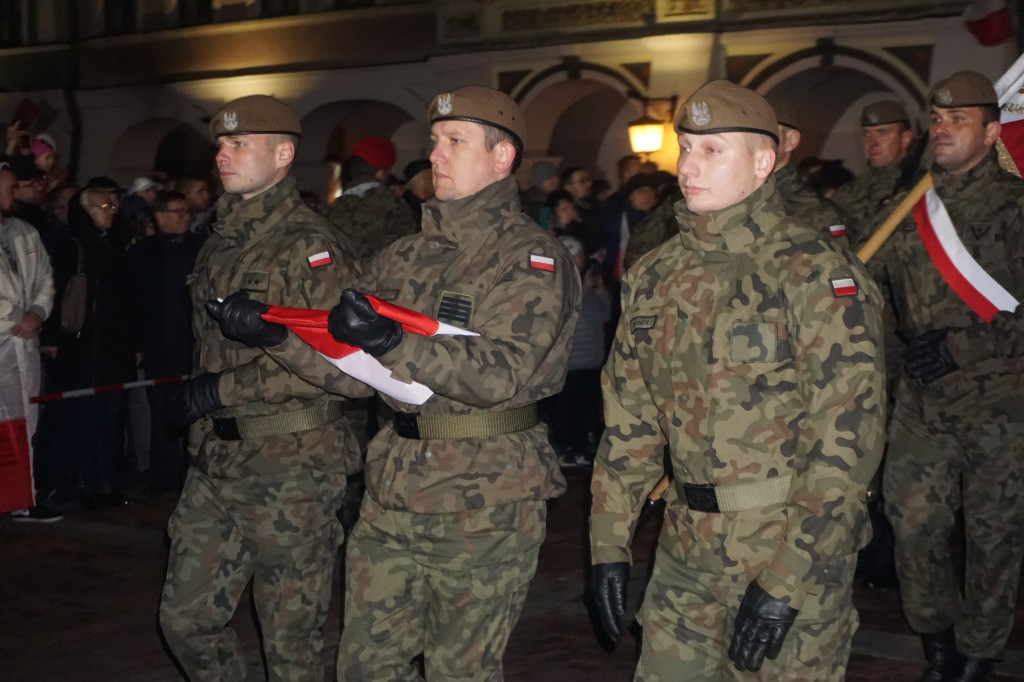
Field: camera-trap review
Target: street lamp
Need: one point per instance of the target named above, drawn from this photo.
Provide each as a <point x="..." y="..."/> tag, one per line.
<point x="646" y="133"/>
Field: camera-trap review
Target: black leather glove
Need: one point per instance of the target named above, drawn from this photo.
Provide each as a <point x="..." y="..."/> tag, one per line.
<point x="239" y="318"/>
<point x="761" y="627"/>
<point x="196" y="398"/>
<point x="608" y="589"/>
<point x="928" y="357"/>
<point x="355" y="322"/>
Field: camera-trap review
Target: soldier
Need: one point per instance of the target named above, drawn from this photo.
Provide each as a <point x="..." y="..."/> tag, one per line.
<point x="957" y="436"/>
<point x="887" y="137"/>
<point x="748" y="346"/>
<point x="802" y="203"/>
<point x="443" y="554"/>
<point x="270" y="450"/>
<point x="367" y="211"/>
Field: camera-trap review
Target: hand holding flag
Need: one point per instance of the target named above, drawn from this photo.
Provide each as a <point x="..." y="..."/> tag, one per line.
<point x="311" y="327"/>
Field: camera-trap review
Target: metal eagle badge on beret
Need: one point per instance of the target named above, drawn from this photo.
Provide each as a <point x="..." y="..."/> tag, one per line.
<point x="872" y="118"/>
<point x="444" y="104"/>
<point x="943" y="97"/>
<point x="230" y="120"/>
<point x="700" y="114"/>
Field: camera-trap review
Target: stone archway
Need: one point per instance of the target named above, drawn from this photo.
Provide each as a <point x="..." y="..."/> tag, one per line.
<point x="160" y="144"/>
<point x="830" y="85"/>
<point x="329" y="131"/>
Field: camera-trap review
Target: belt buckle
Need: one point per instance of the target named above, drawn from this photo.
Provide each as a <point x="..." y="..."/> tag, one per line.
<point x="701" y="497"/>
<point x="226" y="429"/>
<point x="406" y="425"/>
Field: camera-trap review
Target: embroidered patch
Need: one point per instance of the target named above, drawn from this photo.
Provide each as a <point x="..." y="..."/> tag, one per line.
<point x="256" y="281"/>
<point x="230" y="120"/>
<point x="643" y="322"/>
<point x="837" y="230"/>
<point x="539" y="262"/>
<point x="844" y="286"/>
<point x="455" y="309"/>
<point x="319" y="259"/>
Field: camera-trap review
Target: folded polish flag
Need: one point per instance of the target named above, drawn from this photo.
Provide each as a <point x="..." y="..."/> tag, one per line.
<point x="311" y="327"/>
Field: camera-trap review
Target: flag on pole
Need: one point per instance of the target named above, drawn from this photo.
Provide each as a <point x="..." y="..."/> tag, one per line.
<point x="311" y="327"/>
<point x="989" y="21"/>
<point x="1010" y="90"/>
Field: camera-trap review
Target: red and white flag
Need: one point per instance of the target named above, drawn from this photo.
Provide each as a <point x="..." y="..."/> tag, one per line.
<point x="1010" y="89"/>
<point x="16" y="488"/>
<point x="311" y="327"/>
<point x="989" y="21"/>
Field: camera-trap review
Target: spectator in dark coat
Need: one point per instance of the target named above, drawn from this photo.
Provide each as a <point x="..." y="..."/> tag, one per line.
<point x="102" y="353"/>
<point x="159" y="266"/>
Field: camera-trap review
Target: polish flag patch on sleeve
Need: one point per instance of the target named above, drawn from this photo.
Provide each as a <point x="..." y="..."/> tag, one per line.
<point x="844" y="286"/>
<point x="837" y="230"/>
<point x="318" y="260"/>
<point x="539" y="262"/>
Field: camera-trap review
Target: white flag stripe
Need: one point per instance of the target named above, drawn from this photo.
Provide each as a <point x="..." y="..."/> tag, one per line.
<point x="444" y="329"/>
<point x="318" y="256"/>
<point x="366" y="368"/>
<point x="962" y="260"/>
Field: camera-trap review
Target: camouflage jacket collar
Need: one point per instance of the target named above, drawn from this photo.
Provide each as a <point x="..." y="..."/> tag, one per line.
<point x="787" y="180"/>
<point x="734" y="228"/>
<point x="243" y="217"/>
<point x="983" y="172"/>
<point x="885" y="175"/>
<point x="459" y="220"/>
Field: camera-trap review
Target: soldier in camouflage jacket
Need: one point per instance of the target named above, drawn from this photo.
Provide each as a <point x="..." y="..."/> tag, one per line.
<point x="750" y="347"/>
<point x="270" y="449"/>
<point x="957" y="433"/>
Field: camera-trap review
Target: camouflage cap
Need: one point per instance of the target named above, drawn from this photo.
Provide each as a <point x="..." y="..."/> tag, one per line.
<point x="784" y="111"/>
<point x="881" y="113"/>
<point x="963" y="89"/>
<point x="724" y="107"/>
<point x="259" y="114"/>
<point x="479" y="104"/>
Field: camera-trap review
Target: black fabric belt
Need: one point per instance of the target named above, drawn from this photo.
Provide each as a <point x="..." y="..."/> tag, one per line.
<point x="482" y="425"/>
<point x="244" y="428"/>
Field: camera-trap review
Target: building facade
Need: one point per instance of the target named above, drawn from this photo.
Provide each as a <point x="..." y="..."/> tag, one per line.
<point x="126" y="87"/>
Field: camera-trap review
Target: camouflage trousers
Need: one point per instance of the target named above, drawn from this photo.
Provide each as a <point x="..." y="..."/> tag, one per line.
<point x="688" y="620"/>
<point x="932" y="470"/>
<point x="451" y="586"/>
<point x="278" y="531"/>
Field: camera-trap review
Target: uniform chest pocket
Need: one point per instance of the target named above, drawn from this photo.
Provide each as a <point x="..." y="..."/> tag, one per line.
<point x="753" y="341"/>
<point x="389" y="289"/>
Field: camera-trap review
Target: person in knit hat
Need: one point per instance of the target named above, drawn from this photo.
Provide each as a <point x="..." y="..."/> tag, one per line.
<point x="368" y="211"/>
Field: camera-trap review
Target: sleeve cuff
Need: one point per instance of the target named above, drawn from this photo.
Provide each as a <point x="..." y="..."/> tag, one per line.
<point x="786" y="578"/>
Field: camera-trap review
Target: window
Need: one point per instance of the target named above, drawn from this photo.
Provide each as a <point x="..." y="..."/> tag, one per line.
<point x="10" y="23"/>
<point x="119" y="16"/>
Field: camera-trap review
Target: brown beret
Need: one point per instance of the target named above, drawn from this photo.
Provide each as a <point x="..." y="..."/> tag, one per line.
<point x="963" y="89"/>
<point x="886" y="111"/>
<point x="724" y="107"/>
<point x="784" y="111"/>
<point x="260" y="114"/>
<point x="478" y="104"/>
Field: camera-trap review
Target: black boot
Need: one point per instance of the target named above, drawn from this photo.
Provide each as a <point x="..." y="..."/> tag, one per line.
<point x="943" y="659"/>
<point x="974" y="670"/>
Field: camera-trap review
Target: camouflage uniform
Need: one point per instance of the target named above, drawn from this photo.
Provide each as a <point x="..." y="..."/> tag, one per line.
<point x="260" y="508"/>
<point x="959" y="442"/>
<point x="442" y="556"/>
<point x="734" y="350"/>
<point x="807" y="207"/>
<point x="866" y="196"/>
<point x="655" y="229"/>
<point x="372" y="220"/>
